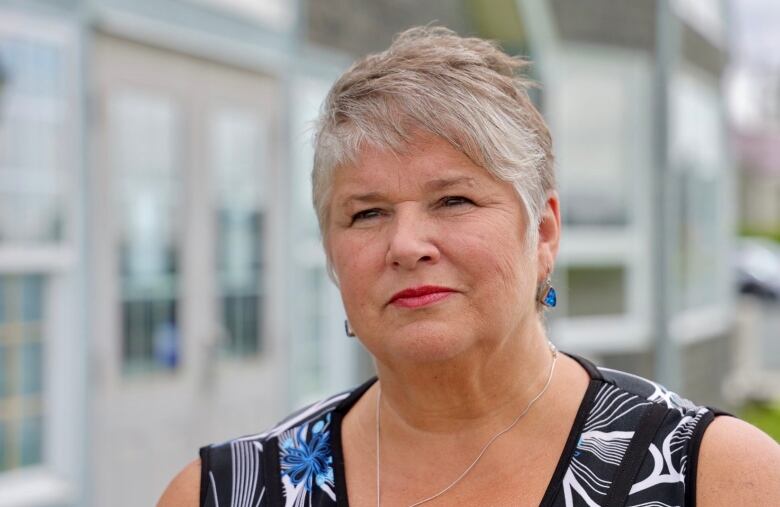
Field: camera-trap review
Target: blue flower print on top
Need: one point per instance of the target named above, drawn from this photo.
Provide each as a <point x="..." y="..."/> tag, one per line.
<point x="306" y="460"/>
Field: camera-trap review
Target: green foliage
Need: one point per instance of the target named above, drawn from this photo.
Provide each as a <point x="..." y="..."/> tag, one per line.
<point x="764" y="416"/>
<point x="761" y="233"/>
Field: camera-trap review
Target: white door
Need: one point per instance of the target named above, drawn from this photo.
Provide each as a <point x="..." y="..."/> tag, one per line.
<point x="185" y="234"/>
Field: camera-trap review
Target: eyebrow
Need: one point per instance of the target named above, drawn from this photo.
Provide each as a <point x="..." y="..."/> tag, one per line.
<point x="445" y="183"/>
<point x="430" y="186"/>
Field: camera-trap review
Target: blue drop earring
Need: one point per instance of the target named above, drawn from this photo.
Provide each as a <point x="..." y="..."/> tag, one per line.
<point x="348" y="329"/>
<point x="546" y="294"/>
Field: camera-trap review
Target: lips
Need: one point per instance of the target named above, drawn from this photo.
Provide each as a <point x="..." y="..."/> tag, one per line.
<point x="416" y="297"/>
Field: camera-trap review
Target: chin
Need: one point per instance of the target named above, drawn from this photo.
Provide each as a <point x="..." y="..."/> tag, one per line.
<point x="426" y="344"/>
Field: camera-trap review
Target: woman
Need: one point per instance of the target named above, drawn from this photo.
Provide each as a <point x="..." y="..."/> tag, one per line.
<point x="434" y="187"/>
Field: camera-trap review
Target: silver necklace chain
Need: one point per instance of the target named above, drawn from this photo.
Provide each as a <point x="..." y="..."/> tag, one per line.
<point x="481" y="453"/>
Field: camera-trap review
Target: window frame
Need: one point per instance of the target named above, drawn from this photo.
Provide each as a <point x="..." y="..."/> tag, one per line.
<point x="626" y="246"/>
<point x="629" y="246"/>
<point x="177" y="177"/>
<point x="337" y="366"/>
<point x="702" y="321"/>
<point x="264" y="173"/>
<point x="59" y="477"/>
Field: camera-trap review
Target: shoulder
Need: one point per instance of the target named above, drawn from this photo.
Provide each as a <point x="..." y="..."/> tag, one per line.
<point x="678" y="428"/>
<point x="628" y="402"/>
<point x="722" y="460"/>
<point x="738" y="465"/>
<point x="642" y="437"/>
<point x="647" y="390"/>
<point x="683" y="420"/>
<point x="184" y="488"/>
<point x="243" y="467"/>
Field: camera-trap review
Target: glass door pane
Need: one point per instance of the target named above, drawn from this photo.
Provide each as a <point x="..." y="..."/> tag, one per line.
<point x="33" y="136"/>
<point x="237" y="163"/>
<point x="144" y="129"/>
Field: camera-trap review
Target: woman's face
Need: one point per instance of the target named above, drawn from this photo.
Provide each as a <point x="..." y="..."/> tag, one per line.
<point x="430" y="254"/>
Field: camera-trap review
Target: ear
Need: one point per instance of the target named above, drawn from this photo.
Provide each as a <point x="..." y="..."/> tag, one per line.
<point x="549" y="236"/>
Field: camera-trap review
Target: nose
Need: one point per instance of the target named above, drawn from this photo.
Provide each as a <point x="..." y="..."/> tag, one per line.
<point x="411" y="241"/>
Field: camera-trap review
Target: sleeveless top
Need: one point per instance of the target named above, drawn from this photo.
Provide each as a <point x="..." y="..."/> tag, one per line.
<point x="633" y="442"/>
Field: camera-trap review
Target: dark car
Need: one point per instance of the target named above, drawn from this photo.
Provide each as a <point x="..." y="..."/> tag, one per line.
<point x="757" y="263"/>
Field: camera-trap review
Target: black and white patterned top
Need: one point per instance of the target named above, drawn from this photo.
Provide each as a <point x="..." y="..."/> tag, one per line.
<point x="632" y="443"/>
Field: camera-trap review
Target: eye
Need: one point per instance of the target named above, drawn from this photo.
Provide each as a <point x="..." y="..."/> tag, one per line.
<point x="455" y="200"/>
<point x="366" y="214"/>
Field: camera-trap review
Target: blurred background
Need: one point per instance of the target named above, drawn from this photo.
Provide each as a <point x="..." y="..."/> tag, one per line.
<point x="162" y="284"/>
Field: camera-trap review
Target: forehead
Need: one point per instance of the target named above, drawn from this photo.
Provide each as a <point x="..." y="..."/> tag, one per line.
<point x="429" y="163"/>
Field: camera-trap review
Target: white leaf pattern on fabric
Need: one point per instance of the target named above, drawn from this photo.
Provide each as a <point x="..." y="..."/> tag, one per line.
<point x="660" y="393"/>
<point x="609" y="447"/>
<point x="570" y="485"/>
<point x="607" y="434"/>
<point x="246" y="465"/>
<point x="614" y="404"/>
<point x="292" y="494"/>
<point x="664" y="470"/>
<point x="603" y="448"/>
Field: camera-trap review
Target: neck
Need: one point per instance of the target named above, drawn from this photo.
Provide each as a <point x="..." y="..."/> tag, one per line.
<point x="472" y="393"/>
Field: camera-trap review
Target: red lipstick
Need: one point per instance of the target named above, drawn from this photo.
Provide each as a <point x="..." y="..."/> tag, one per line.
<point x="416" y="297"/>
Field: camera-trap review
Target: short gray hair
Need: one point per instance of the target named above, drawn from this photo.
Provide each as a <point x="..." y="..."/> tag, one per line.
<point x="463" y="90"/>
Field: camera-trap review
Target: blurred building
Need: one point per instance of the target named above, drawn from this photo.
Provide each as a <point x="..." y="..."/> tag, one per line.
<point x="755" y="113"/>
<point x="161" y="281"/>
<point x="162" y="284"/>
<point x="597" y="62"/>
<point x="754" y="100"/>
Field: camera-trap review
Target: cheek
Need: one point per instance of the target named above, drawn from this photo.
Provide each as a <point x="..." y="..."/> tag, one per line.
<point x="353" y="271"/>
<point x="502" y="259"/>
<point x="516" y="269"/>
<point x="337" y="248"/>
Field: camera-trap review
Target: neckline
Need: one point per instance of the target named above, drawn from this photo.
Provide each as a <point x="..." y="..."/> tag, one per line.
<point x="339" y="470"/>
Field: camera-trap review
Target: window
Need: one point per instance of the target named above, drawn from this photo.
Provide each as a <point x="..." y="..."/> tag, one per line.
<point x="33" y="119"/>
<point x="36" y="122"/>
<point x="599" y="149"/>
<point x="323" y="359"/>
<point x="238" y="154"/>
<point x="699" y="262"/>
<point x="276" y="13"/>
<point x="21" y="351"/>
<point x="313" y="339"/>
<point x="143" y="129"/>
<point x="594" y="182"/>
<point x="596" y="291"/>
